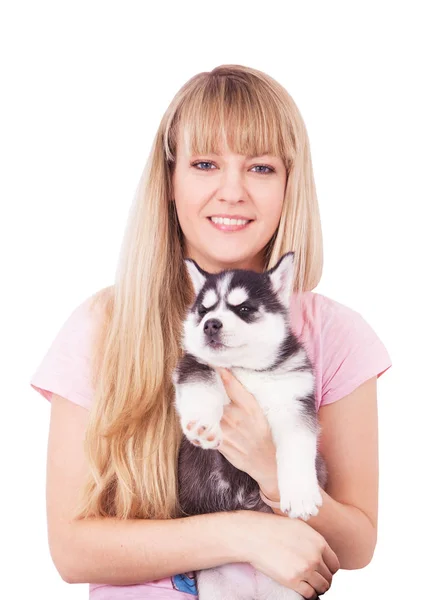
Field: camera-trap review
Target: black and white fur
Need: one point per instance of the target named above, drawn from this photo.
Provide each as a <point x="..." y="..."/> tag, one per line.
<point x="240" y="319"/>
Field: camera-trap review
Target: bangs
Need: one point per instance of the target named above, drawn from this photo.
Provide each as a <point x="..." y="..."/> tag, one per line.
<point x="230" y="112"/>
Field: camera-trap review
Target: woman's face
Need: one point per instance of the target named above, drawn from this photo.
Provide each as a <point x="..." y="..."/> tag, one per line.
<point x="229" y="185"/>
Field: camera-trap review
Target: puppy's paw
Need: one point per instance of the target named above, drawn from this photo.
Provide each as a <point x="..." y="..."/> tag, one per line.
<point x="300" y="498"/>
<point x="201" y="433"/>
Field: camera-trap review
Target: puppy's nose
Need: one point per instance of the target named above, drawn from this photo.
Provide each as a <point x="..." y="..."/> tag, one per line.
<point x="212" y="326"/>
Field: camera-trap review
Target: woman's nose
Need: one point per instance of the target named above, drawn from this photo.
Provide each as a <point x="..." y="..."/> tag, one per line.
<point x="232" y="185"/>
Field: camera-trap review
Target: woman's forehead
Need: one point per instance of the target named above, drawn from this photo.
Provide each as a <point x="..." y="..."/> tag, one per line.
<point x="191" y="141"/>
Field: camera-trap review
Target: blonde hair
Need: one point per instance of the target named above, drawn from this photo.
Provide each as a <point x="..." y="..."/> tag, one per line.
<point x="133" y="436"/>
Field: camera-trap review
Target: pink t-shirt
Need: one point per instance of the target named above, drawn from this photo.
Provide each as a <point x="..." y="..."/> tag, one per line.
<point x="343" y="347"/>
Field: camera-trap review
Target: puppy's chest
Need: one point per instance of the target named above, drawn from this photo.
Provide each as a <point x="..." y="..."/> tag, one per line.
<point x="276" y="390"/>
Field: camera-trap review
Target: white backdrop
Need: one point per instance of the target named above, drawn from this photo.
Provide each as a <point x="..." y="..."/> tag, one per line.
<point x="84" y="86"/>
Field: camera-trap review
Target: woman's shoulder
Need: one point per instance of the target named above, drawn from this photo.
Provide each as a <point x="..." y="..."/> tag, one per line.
<point x="100" y="301"/>
<point x="332" y="316"/>
<point x="65" y="368"/>
<point x="321" y="304"/>
<point x="344" y="348"/>
<point x="334" y="325"/>
<point x="321" y="315"/>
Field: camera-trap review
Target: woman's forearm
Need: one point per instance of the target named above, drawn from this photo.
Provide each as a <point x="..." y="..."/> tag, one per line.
<point x="347" y="530"/>
<point x="119" y="552"/>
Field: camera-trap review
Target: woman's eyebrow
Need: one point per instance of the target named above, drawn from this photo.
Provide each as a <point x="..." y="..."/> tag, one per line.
<point x="249" y="156"/>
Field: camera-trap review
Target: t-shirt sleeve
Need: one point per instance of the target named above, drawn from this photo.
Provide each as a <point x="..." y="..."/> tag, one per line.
<point x="352" y="352"/>
<point x="66" y="367"/>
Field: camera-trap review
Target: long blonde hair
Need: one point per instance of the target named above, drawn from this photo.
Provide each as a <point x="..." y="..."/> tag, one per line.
<point x="133" y="436"/>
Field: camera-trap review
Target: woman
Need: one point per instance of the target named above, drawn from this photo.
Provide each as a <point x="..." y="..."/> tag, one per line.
<point x="232" y="142"/>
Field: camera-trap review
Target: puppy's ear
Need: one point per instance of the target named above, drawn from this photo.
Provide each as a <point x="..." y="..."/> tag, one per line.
<point x="196" y="273"/>
<point x="282" y="277"/>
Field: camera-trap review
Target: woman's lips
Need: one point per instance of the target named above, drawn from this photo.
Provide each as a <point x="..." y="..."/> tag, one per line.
<point x="228" y="228"/>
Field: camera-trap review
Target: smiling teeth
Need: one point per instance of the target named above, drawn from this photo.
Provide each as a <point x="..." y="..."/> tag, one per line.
<point x="225" y="221"/>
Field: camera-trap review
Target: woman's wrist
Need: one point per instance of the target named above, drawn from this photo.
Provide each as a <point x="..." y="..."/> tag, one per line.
<point x="237" y="533"/>
<point x="241" y="533"/>
<point x="271" y="492"/>
<point x="274" y="503"/>
<point x="268" y="483"/>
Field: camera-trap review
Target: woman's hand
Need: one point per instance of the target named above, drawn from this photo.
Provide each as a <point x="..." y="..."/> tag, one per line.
<point x="289" y="551"/>
<point x="247" y="438"/>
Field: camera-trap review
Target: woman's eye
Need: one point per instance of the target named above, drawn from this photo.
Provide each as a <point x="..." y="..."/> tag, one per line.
<point x="203" y="162"/>
<point x="269" y="169"/>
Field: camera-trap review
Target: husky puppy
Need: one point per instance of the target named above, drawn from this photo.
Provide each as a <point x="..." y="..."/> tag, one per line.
<point x="240" y="320"/>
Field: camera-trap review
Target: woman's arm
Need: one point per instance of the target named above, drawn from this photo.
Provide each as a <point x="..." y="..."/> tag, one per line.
<point x="121" y="552"/>
<point x="116" y="551"/>
<point x="349" y="444"/>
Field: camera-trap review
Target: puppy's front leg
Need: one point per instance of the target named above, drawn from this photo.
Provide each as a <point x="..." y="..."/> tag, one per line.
<point x="296" y="448"/>
<point x="200" y="407"/>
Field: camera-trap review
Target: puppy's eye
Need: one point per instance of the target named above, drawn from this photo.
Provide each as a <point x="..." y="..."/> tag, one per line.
<point x="202" y="311"/>
<point x="246" y="308"/>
